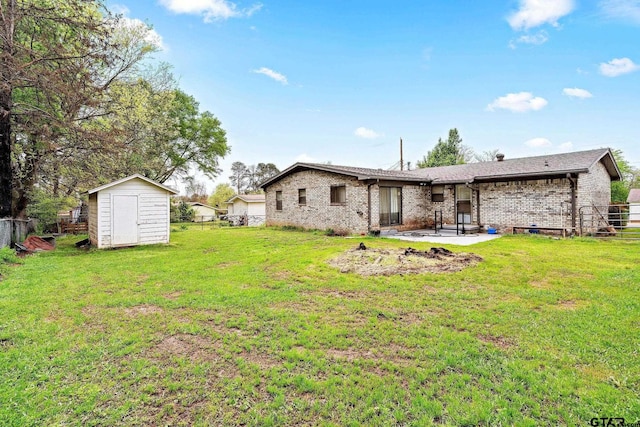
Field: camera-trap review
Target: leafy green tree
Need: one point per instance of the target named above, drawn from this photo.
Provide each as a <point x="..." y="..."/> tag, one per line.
<point x="220" y="195"/>
<point x="448" y="152"/>
<point x="630" y="178"/>
<point x="58" y="60"/>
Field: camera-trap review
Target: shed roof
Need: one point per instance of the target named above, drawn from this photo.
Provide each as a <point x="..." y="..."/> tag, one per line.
<point x="129" y="178"/>
<point x="249" y="198"/>
<point x="634" y="196"/>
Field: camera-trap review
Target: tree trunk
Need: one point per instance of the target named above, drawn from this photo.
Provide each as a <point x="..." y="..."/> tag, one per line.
<point x="5" y="154"/>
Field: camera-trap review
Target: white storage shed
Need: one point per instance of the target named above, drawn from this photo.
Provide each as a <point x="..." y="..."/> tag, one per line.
<point x="128" y="212"/>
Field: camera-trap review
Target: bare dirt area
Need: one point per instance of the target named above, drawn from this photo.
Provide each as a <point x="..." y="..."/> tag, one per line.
<point x="386" y="262"/>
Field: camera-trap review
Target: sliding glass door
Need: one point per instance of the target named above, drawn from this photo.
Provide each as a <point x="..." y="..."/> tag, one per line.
<point x="390" y="206"/>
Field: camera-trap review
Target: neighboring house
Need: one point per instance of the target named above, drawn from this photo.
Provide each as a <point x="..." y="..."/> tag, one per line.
<point x="128" y="212"/>
<point x="203" y="212"/>
<point x="246" y="209"/>
<point x="548" y="191"/>
<point x="634" y="207"/>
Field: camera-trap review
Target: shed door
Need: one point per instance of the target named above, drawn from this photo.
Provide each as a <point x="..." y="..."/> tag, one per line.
<point x="125" y="220"/>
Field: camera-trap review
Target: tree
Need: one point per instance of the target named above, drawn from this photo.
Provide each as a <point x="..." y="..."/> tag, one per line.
<point x="449" y="152"/>
<point x="257" y="174"/>
<point x="486" y="156"/>
<point x="57" y="60"/>
<point x="196" y="191"/>
<point x="239" y="177"/>
<point x="630" y="178"/>
<point x="220" y="195"/>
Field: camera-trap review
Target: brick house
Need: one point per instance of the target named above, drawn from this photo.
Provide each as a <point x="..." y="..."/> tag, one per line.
<point x="544" y="190"/>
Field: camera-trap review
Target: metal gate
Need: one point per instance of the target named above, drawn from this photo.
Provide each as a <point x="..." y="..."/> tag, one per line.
<point x="612" y="222"/>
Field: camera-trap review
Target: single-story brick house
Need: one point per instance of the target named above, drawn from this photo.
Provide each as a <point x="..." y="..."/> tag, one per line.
<point x="544" y="190"/>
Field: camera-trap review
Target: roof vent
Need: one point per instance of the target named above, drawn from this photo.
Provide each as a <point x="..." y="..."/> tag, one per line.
<point x="546" y="163"/>
<point x="500" y="157"/>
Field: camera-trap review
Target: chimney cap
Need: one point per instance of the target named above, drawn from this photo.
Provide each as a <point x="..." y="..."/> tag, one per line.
<point x="499" y="157"/>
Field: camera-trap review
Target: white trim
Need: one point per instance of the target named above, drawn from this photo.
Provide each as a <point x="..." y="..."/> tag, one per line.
<point x="129" y="178"/>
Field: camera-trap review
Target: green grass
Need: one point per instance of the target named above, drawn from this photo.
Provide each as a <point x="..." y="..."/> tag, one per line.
<point x="250" y="326"/>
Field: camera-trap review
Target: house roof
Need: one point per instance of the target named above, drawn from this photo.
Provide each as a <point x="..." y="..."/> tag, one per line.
<point x="552" y="165"/>
<point x="523" y="168"/>
<point x="249" y="198"/>
<point x="634" y="196"/>
<point x="200" y="204"/>
<point x="129" y="178"/>
<point x="359" y="173"/>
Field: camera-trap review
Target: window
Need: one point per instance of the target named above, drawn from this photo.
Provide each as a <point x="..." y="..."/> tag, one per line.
<point x="390" y="205"/>
<point x="437" y="193"/>
<point x="302" y="196"/>
<point x="338" y="195"/>
<point x="278" y="200"/>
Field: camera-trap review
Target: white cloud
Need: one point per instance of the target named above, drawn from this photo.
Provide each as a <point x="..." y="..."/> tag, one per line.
<point x="272" y="74"/>
<point x="363" y="132"/>
<point x="518" y="102"/>
<point x="533" y="13"/>
<point x="305" y="158"/>
<point x="209" y="9"/>
<point x="539" y="38"/>
<point x="617" y="67"/>
<point x="538" y="143"/>
<point x="628" y="10"/>
<point x="577" y="93"/>
<point x="566" y="146"/>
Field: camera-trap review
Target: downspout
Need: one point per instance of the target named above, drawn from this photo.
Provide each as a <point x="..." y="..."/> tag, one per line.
<point x="574" y="209"/>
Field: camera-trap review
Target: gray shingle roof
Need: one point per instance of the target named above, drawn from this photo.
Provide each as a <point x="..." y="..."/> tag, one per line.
<point x="521" y="168"/>
<point x="357" y="172"/>
<point x="525" y="167"/>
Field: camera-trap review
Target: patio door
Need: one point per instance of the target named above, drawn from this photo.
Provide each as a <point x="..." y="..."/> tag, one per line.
<point x="463" y="204"/>
<point x="390" y="206"/>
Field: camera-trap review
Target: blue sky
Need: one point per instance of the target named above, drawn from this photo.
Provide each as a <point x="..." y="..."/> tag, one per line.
<point x="343" y="81"/>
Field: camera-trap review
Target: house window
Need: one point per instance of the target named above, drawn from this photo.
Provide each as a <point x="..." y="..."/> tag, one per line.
<point x="278" y="200"/>
<point x="338" y="195"/>
<point x="390" y="205"/>
<point x="302" y="196"/>
<point x="437" y="193"/>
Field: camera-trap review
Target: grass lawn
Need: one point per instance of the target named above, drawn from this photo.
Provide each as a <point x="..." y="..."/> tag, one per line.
<point x="252" y="326"/>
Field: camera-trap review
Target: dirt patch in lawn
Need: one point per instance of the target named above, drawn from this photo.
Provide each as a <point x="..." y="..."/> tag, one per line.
<point x="499" y="342"/>
<point x="388" y="262"/>
<point x="143" y="309"/>
<point x="193" y="347"/>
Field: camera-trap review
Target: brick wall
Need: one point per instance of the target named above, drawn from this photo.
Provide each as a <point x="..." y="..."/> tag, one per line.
<point x="318" y="212"/>
<point x="594" y="187"/>
<point x="544" y="202"/>
<point x="352" y="216"/>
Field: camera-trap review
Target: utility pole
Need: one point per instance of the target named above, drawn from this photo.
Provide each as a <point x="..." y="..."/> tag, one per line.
<point x="401" y="159"/>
